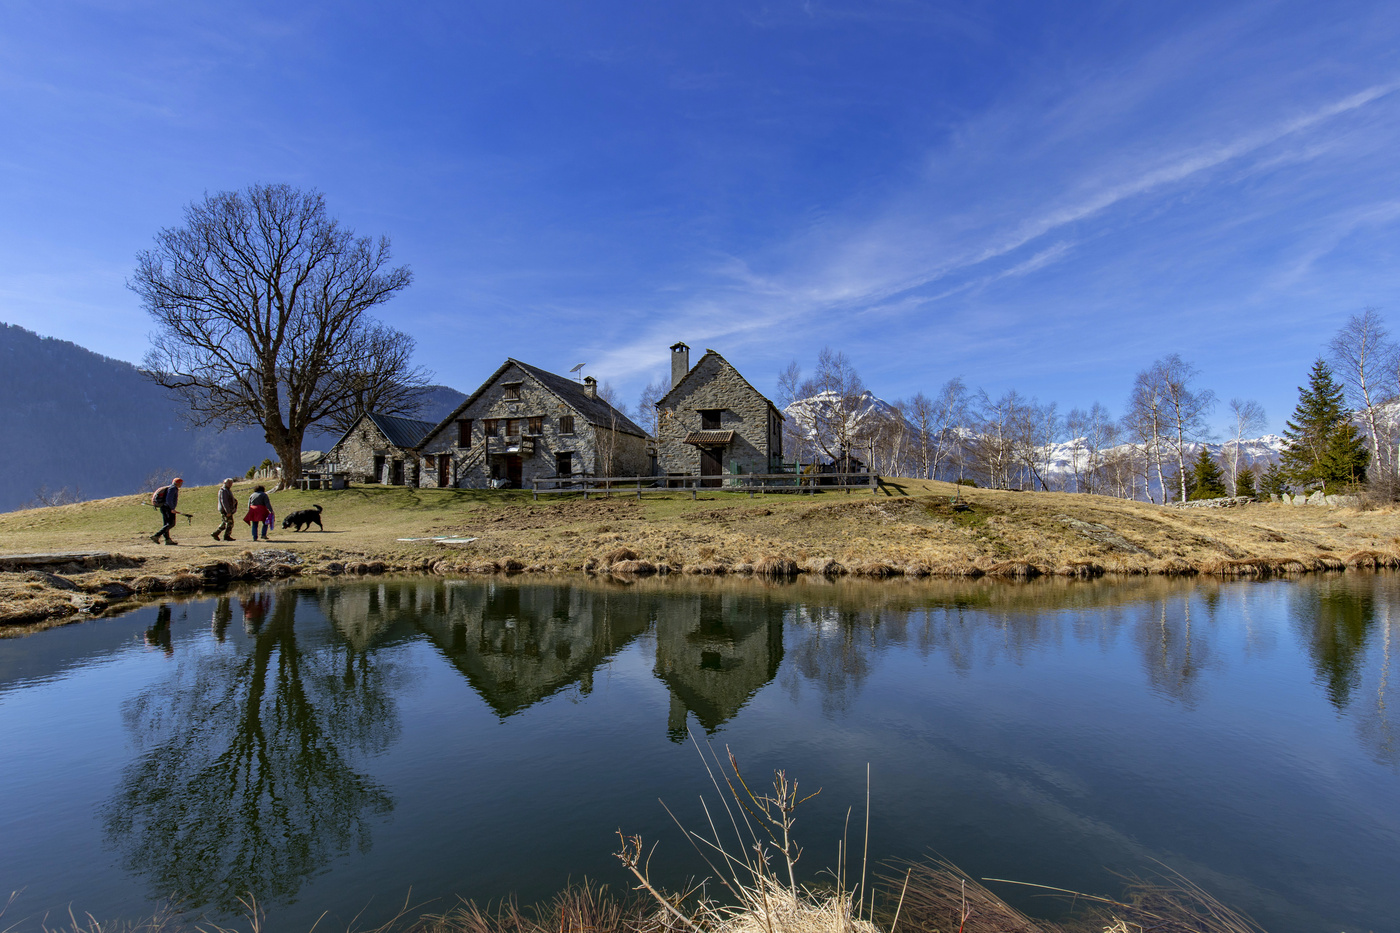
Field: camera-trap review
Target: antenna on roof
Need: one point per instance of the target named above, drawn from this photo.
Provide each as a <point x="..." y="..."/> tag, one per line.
<point x="577" y="368"/>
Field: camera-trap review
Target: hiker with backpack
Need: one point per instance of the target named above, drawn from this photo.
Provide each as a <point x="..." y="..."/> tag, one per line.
<point x="259" y="510"/>
<point x="228" y="508"/>
<point x="166" y="498"/>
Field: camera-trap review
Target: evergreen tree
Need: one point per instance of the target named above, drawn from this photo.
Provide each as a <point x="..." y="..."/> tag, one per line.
<point x="1345" y="459"/>
<point x="1206" y="481"/>
<point x="1244" y="483"/>
<point x="1274" y="482"/>
<point x="1323" y="447"/>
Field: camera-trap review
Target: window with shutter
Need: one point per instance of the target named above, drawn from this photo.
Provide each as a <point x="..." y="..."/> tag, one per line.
<point x="489" y="426"/>
<point x="566" y="424"/>
<point x="709" y="419"/>
<point x="511" y="391"/>
<point x="536" y="425"/>
<point x="464" y="432"/>
<point x="512" y="427"/>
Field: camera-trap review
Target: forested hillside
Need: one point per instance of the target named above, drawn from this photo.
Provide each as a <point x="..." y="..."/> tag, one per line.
<point x="74" y="419"/>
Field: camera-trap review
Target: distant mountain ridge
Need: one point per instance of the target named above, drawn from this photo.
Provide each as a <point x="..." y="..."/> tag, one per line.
<point x="73" y="418"/>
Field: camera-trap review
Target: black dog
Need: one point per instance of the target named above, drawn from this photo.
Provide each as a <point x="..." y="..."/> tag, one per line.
<point x="307" y="517"/>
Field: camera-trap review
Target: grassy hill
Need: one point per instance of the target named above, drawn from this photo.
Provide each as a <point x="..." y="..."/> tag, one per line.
<point x="911" y="528"/>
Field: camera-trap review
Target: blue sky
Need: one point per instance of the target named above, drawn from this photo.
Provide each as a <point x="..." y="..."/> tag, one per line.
<point x="1039" y="196"/>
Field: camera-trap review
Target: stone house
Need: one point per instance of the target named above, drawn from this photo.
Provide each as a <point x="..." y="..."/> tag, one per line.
<point x="524" y="424"/>
<point x="714" y="422"/>
<point x="378" y="449"/>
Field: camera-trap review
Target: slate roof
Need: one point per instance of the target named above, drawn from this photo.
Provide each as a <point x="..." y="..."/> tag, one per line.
<point x="401" y="432"/>
<point x="595" y="411"/>
<point x="661" y="402"/>
<point x="709" y="438"/>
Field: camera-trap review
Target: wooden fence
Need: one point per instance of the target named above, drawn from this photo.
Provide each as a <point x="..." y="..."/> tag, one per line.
<point x="763" y="483"/>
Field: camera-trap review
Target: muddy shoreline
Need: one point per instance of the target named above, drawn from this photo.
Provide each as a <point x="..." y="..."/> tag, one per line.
<point x="43" y="590"/>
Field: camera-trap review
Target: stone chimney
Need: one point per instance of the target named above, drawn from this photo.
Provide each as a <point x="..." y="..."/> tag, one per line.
<point x="590" y="387"/>
<point x="680" y="363"/>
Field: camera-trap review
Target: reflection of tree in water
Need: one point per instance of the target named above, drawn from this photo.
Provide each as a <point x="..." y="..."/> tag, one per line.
<point x="244" y="783"/>
<point x="1376" y="725"/>
<point x="1334" y="618"/>
<point x="1174" y="648"/>
<point x="831" y="647"/>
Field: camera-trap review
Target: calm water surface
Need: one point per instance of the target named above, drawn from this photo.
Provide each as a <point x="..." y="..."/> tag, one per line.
<point x="333" y="747"/>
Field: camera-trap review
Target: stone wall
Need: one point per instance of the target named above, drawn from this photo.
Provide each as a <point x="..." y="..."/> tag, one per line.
<point x="713" y="383"/>
<point x="472" y="466"/>
<point x="1225" y="502"/>
<point x="1317" y="498"/>
<point x="356" y="452"/>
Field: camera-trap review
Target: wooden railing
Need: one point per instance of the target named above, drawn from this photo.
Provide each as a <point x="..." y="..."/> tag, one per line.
<point x="751" y="483"/>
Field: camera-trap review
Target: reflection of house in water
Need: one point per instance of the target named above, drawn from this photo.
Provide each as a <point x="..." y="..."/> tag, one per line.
<point x="369" y="615"/>
<point x="714" y="652"/>
<point x="519" y="644"/>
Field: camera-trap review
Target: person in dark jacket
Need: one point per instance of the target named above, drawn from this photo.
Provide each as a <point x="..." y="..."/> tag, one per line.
<point x="259" y="508"/>
<point x="228" y="509"/>
<point x="166" y="504"/>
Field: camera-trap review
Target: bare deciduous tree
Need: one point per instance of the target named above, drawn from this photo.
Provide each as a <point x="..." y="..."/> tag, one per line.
<point x="1362" y="352"/>
<point x="796" y="437"/>
<point x="1186" y="410"/>
<point x="1248" y="417"/>
<point x="647" y="415"/>
<point x="1146" y="423"/>
<point x="261" y="303"/>
<point x="950" y="416"/>
<point x="840" y="396"/>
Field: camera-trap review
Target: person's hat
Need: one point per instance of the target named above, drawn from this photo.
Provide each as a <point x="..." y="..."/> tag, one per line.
<point x="178" y="480"/>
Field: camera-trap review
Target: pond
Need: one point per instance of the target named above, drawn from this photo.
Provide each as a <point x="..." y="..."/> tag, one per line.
<point x="332" y="747"/>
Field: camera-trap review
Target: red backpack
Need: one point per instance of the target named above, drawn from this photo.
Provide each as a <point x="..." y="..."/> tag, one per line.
<point x="158" y="497"/>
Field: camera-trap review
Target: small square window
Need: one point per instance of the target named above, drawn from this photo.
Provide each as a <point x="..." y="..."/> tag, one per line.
<point x="564" y="464"/>
<point x="566" y="424"/>
<point x="512" y="427"/>
<point x="709" y="419"/>
<point x="536" y="425"/>
<point x="511" y="391"/>
<point x="490" y="426"/>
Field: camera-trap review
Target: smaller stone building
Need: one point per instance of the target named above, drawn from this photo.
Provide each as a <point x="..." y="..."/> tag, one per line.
<point x="378" y="449"/>
<point x="524" y="424"/>
<point x="714" y="422"/>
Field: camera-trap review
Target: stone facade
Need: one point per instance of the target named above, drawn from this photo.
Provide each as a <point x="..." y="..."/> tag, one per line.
<point x="707" y="402"/>
<point x="550" y="415"/>
<point x="377" y="449"/>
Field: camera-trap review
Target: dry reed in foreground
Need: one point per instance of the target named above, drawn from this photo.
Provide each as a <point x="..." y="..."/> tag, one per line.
<point x="764" y="895"/>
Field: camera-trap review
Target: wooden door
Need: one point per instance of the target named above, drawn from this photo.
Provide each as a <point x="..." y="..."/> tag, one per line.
<point x="444" y="466"/>
<point x="397" y="470"/>
<point x="514" y="471"/>
<point x="710" y="465"/>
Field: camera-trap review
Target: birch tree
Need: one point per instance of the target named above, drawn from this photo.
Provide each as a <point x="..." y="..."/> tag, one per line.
<point x="1248" y="417"/>
<point x="1361" y="354"/>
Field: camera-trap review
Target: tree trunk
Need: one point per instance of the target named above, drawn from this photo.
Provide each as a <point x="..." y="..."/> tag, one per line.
<point x="287" y="443"/>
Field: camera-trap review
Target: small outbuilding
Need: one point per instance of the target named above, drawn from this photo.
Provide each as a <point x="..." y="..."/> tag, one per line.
<point x="377" y="449"/>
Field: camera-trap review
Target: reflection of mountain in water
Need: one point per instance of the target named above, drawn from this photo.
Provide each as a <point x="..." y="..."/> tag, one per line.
<point x="714" y="652"/>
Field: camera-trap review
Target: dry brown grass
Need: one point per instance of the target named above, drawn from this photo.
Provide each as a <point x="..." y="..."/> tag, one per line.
<point x="914" y="531"/>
